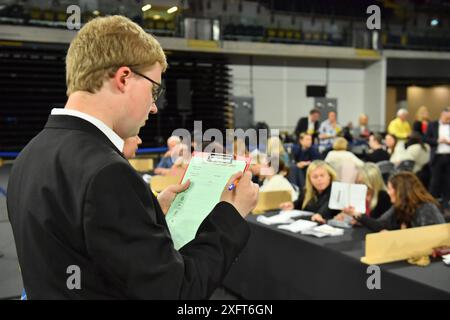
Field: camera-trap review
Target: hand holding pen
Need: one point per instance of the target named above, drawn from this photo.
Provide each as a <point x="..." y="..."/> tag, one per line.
<point x="241" y="192"/>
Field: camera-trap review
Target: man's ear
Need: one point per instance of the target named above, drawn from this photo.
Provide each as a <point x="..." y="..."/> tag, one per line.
<point x="121" y="78"/>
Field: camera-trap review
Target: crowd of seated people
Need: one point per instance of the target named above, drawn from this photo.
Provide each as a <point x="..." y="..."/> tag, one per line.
<point x="414" y="192"/>
<point x="415" y="153"/>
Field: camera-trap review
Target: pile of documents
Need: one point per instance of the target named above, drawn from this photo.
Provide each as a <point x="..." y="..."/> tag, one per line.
<point x="310" y="228"/>
<point x="298" y="226"/>
<point x="446" y="259"/>
<point x="284" y="217"/>
<point x="324" y="231"/>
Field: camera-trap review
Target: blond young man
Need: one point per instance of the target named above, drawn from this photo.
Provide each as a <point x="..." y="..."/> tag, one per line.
<point x="86" y="226"/>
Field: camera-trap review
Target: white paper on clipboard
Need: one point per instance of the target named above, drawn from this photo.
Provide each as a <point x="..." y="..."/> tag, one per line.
<point x="208" y="174"/>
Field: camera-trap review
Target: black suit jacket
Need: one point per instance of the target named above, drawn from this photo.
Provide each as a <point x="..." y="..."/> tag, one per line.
<point x="432" y="137"/>
<point x="302" y="126"/>
<point x="417" y="127"/>
<point x="73" y="199"/>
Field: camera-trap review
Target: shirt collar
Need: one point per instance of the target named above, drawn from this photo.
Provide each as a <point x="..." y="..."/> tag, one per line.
<point x="107" y="131"/>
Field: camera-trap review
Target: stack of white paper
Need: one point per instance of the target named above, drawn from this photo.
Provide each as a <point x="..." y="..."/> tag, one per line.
<point x="312" y="232"/>
<point x="329" y="230"/>
<point x="324" y="231"/>
<point x="285" y="216"/>
<point x="446" y="259"/>
<point x="296" y="213"/>
<point x="276" y="219"/>
<point x="298" y="226"/>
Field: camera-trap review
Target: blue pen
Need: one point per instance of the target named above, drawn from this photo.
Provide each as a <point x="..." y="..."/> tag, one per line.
<point x="233" y="185"/>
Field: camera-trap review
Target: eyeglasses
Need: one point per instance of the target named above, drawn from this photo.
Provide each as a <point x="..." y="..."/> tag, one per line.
<point x="157" y="88"/>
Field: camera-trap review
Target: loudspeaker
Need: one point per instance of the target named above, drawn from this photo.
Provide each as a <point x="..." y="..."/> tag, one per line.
<point x="316" y="91"/>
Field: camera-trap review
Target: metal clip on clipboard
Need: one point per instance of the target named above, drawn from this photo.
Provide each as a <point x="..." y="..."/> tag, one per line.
<point x="220" y="158"/>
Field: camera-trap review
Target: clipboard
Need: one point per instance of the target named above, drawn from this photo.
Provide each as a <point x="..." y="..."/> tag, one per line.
<point x="208" y="173"/>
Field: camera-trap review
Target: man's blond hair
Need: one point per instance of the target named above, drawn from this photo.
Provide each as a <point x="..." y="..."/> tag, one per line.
<point x="102" y="46"/>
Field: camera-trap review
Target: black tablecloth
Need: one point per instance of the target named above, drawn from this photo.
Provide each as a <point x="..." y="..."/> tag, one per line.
<point x="278" y="264"/>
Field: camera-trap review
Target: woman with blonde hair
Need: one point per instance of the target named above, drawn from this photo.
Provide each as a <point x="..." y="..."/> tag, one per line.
<point x="412" y="206"/>
<point x="343" y="161"/>
<point x="275" y="148"/>
<point x="377" y="198"/>
<point x="316" y="194"/>
<point x="422" y="120"/>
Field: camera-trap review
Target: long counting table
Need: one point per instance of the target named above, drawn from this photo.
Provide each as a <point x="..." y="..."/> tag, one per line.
<point x="278" y="264"/>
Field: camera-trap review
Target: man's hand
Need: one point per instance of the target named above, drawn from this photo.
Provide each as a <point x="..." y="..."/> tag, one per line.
<point x="244" y="196"/>
<point x="166" y="197"/>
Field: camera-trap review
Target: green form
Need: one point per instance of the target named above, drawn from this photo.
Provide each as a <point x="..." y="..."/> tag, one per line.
<point x="208" y="176"/>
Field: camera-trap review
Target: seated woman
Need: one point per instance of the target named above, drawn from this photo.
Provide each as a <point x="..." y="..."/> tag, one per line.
<point x="340" y="155"/>
<point x="316" y="195"/>
<point x="275" y="148"/>
<point x="395" y="148"/>
<point x="275" y="178"/>
<point x="377" y="153"/>
<point x="417" y="150"/>
<point x="377" y="199"/>
<point x="412" y="206"/>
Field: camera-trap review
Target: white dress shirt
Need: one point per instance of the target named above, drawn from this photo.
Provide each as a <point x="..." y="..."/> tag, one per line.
<point x="444" y="132"/>
<point x="107" y="131"/>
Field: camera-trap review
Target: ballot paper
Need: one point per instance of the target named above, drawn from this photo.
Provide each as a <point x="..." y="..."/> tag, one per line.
<point x="312" y="232"/>
<point x="324" y="231"/>
<point x="296" y="213"/>
<point x="276" y="219"/>
<point x="298" y="226"/>
<point x="285" y="216"/>
<point x="446" y="259"/>
<point x="208" y="174"/>
<point x="344" y="195"/>
<point x="329" y="230"/>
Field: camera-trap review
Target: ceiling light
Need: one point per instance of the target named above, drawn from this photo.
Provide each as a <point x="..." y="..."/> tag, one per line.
<point x="146" y="7"/>
<point x="172" y="10"/>
<point x="434" y="22"/>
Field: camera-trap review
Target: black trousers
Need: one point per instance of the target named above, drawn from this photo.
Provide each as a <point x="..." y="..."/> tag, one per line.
<point x="440" y="177"/>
